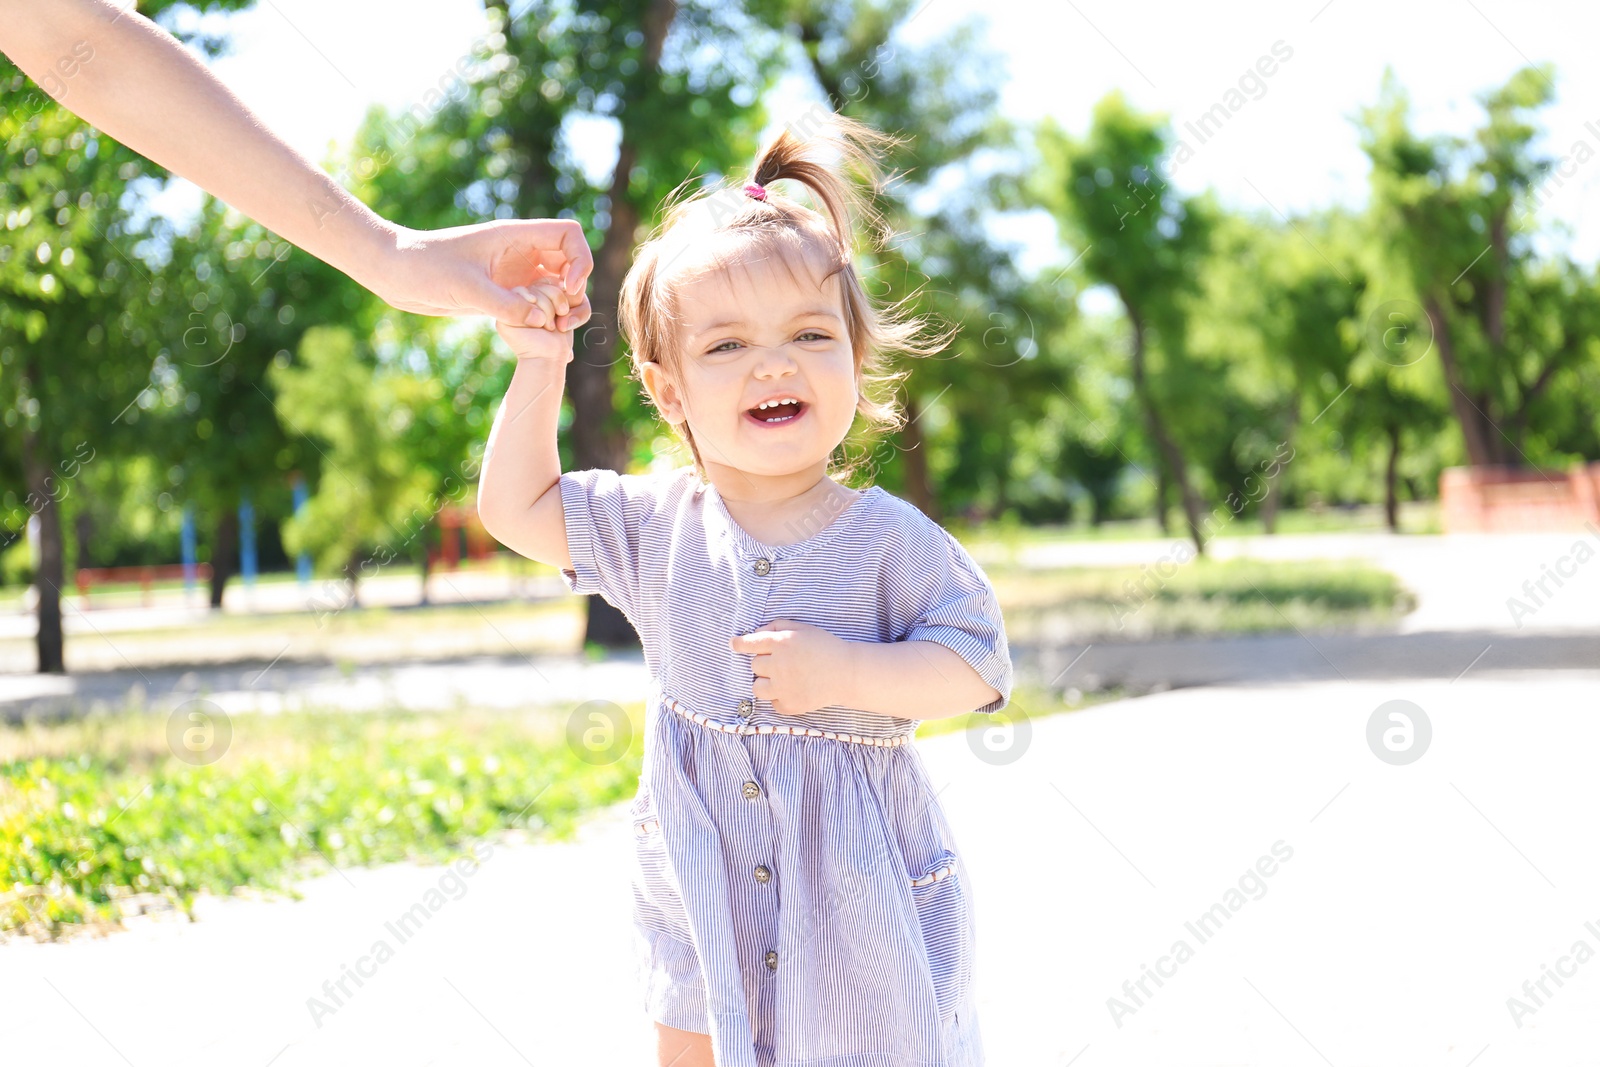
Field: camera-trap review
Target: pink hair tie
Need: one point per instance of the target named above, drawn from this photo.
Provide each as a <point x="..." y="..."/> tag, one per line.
<point x="754" y="191"/>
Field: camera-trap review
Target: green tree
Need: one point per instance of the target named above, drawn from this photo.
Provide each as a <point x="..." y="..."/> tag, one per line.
<point x="74" y="360"/>
<point x="1145" y="241"/>
<point x="372" y="501"/>
<point x="76" y="366"/>
<point x="232" y="300"/>
<point x="1270" y="316"/>
<point x="1457" y="216"/>
<point x="939" y="98"/>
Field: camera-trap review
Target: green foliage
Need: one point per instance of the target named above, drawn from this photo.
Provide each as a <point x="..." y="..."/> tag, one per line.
<point x="79" y="831"/>
<point x="1452" y="222"/>
<point x="202" y="365"/>
<point x="371" y="494"/>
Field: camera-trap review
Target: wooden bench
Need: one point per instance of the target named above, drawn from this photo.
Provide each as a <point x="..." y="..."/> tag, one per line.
<point x="147" y="576"/>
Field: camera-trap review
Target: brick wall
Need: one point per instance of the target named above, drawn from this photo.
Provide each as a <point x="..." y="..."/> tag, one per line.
<point x="1496" y="499"/>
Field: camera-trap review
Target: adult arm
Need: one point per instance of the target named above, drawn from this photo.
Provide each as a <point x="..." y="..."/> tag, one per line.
<point x="140" y="86"/>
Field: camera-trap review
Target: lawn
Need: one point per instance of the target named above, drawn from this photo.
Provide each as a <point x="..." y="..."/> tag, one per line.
<point x="100" y="818"/>
<point x="1416" y="517"/>
<point x="1201" y="597"/>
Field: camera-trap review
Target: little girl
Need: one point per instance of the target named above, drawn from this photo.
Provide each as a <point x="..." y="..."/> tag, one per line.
<point x="799" y="899"/>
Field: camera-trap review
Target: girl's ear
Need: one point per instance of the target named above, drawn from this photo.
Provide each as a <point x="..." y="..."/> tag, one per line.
<point x="662" y="391"/>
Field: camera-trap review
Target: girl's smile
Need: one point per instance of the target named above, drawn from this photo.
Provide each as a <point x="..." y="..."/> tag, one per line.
<point x="777" y="414"/>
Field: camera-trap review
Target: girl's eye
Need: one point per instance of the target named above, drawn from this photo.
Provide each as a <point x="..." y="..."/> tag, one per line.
<point x="726" y="346"/>
<point x="814" y="335"/>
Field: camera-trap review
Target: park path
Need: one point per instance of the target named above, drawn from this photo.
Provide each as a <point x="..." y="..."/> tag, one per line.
<point x="1462" y="581"/>
<point x="1413" y="902"/>
<point x="1462" y="621"/>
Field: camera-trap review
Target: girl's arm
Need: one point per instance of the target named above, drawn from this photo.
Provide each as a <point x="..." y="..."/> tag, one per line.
<point x="914" y="680"/>
<point x="130" y="78"/>
<point x="519" y="486"/>
<point x="801" y="667"/>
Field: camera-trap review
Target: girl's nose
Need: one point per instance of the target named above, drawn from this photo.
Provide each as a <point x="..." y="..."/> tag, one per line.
<point x="774" y="359"/>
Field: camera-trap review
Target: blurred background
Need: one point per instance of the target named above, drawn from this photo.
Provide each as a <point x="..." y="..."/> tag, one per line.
<point x="1274" y="378"/>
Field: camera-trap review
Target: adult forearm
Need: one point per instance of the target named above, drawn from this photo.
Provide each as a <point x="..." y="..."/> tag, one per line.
<point x="914" y="680"/>
<point x="521" y="459"/>
<point x="131" y="79"/>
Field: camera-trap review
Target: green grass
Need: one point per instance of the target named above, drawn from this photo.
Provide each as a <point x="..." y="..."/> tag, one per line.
<point x="1202" y="596"/>
<point x="1416" y="517"/>
<point x="99" y="818"/>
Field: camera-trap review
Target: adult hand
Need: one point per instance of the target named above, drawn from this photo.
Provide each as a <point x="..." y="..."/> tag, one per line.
<point x="799" y="668"/>
<point x="474" y="270"/>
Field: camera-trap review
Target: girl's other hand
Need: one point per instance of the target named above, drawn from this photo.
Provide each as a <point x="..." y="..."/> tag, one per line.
<point x="799" y="668"/>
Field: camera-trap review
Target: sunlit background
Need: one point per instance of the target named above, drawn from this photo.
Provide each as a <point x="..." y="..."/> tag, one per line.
<point x="1270" y="419"/>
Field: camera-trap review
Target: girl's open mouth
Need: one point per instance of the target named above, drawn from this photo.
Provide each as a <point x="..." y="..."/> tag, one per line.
<point x="779" y="415"/>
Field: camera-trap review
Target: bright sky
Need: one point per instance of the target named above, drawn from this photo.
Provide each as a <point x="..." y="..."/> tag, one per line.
<point x="310" y="68"/>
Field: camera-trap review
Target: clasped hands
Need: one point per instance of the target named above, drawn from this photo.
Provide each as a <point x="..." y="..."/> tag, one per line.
<point x="799" y="668"/>
<point x="554" y="315"/>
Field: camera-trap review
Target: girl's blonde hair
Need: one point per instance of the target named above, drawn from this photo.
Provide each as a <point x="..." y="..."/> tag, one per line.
<point x="723" y="224"/>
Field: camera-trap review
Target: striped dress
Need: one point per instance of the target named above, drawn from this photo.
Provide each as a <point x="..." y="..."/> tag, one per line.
<point x="798" y="894"/>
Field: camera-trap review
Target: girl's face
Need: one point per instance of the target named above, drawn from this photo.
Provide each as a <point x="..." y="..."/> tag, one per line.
<point x="765" y="330"/>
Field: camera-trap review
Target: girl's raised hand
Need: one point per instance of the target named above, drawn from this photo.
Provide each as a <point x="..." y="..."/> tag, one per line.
<point x="548" y="301"/>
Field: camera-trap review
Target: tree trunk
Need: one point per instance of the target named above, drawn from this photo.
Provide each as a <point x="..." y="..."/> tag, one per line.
<point x="1391" y="496"/>
<point x="915" y="455"/>
<point x="83" y="531"/>
<point x="42" y="490"/>
<point x="1478" y="435"/>
<point x="352" y="574"/>
<point x="1099" y="507"/>
<point x="425" y="540"/>
<point x="224" y="554"/>
<point x="1163" y="494"/>
<point x="1269" y="502"/>
<point x="1494" y="303"/>
<point x="595" y="441"/>
<point x="1166" y="447"/>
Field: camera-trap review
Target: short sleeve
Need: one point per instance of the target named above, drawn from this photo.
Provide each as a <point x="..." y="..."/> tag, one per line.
<point x="606" y="513"/>
<point x="960" y="610"/>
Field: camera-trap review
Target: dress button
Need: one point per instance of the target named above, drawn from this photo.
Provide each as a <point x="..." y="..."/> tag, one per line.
<point x="763" y="874"/>
<point x="772" y="961"/>
<point x="751" y="790"/>
<point x="763" y="566"/>
<point x="746" y="706"/>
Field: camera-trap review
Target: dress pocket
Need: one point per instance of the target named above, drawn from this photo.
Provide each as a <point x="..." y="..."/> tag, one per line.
<point x="657" y="892"/>
<point x="944" y="913"/>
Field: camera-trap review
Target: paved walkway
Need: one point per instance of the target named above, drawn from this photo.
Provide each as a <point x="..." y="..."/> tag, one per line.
<point x="1462" y="581"/>
<point x="1462" y="621"/>
<point x="1405" y="905"/>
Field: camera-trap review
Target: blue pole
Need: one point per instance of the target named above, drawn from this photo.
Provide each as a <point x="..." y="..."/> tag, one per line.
<point x="302" y="564"/>
<point x="188" y="551"/>
<point x="247" y="541"/>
